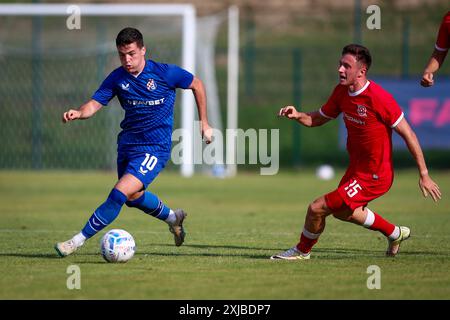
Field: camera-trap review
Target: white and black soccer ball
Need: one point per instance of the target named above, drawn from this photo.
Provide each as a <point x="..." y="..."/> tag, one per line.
<point x="117" y="245"/>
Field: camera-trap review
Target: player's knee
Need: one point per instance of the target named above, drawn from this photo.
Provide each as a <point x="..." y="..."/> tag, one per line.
<point x="311" y="210"/>
<point x="344" y="216"/>
<point x="134" y="199"/>
<point x="316" y="208"/>
<point x="130" y="204"/>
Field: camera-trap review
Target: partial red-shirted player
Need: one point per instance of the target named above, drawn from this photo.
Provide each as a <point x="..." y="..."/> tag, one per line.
<point x="370" y="113"/>
<point x="439" y="53"/>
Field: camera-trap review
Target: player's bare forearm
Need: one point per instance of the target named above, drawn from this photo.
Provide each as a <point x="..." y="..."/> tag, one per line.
<point x="410" y="138"/>
<point x="436" y="60"/>
<point x="86" y="111"/>
<point x="315" y="119"/>
<point x="308" y="119"/>
<point x="426" y="184"/>
<point x="89" y="109"/>
<point x="198" y="89"/>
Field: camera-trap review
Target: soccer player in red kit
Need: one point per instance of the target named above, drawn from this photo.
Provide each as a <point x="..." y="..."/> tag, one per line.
<point x="370" y="113"/>
<point x="440" y="52"/>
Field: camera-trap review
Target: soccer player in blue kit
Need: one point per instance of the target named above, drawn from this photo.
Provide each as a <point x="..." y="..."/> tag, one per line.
<point x="146" y="91"/>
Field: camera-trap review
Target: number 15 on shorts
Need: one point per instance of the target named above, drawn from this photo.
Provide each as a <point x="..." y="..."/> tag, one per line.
<point x="353" y="189"/>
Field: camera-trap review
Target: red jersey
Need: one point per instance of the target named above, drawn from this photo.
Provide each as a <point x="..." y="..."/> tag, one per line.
<point x="443" y="39"/>
<point x="369" y="115"/>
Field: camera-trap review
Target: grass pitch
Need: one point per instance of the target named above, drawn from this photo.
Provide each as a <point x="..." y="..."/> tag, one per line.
<point x="233" y="226"/>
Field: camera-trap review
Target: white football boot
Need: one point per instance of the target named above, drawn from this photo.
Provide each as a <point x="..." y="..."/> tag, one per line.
<point x="66" y="248"/>
<point x="291" y="254"/>
<point x="394" y="245"/>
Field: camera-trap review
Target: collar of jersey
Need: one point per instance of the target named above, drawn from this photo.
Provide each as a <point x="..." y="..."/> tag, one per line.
<point x="354" y="94"/>
<point x="135" y="76"/>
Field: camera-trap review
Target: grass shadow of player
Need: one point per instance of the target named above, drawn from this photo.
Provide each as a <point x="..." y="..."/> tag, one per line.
<point x="213" y="246"/>
<point x="30" y="255"/>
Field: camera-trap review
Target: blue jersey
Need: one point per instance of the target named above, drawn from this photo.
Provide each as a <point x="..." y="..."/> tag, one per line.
<point x="148" y="101"/>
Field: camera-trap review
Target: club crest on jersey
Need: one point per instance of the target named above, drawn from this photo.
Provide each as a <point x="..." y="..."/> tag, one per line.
<point x="362" y="110"/>
<point x="151" y="85"/>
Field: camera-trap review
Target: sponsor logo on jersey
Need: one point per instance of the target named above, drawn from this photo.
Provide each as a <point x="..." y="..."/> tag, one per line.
<point x="350" y="118"/>
<point x="151" y="85"/>
<point x="362" y="110"/>
<point x="146" y="102"/>
<point x="125" y="87"/>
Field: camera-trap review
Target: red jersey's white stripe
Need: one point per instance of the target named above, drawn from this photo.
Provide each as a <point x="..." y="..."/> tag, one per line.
<point x="439" y="48"/>
<point x="324" y="115"/>
<point x="398" y="121"/>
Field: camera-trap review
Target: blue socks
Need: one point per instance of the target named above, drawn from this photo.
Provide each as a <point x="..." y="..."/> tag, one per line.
<point x="105" y="214"/>
<point x="150" y="204"/>
<point x="109" y="210"/>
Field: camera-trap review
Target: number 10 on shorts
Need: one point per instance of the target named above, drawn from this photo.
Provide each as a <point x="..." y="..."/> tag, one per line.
<point x="353" y="189"/>
<point x="149" y="163"/>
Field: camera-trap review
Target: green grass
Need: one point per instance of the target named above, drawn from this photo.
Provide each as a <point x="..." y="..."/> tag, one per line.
<point x="233" y="226"/>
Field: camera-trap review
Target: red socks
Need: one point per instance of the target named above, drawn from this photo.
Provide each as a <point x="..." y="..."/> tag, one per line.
<point x="377" y="223"/>
<point x="307" y="241"/>
<point x="373" y="222"/>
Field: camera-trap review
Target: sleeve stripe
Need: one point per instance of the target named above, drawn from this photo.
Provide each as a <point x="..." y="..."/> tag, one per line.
<point x="324" y="115"/>
<point x="398" y="121"/>
<point x="439" y="48"/>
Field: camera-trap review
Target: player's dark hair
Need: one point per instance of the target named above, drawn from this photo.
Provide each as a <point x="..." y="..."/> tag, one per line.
<point x="361" y="54"/>
<point x="129" y="35"/>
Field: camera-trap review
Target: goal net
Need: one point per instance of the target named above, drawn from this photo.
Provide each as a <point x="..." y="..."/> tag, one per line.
<point x="222" y="104"/>
<point x="53" y="57"/>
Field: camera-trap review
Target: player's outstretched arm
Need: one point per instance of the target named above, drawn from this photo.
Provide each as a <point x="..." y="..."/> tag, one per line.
<point x="309" y="119"/>
<point x="436" y="60"/>
<point x="426" y="184"/>
<point x="86" y="111"/>
<point x="198" y="89"/>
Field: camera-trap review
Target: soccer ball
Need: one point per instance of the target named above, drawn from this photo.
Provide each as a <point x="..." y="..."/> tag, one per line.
<point x="325" y="172"/>
<point x="117" y="245"/>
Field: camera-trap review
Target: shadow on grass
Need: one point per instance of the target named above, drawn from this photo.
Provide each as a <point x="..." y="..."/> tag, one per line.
<point x="38" y="255"/>
<point x="30" y="255"/>
<point x="323" y="253"/>
<point x="319" y="253"/>
<point x="341" y="251"/>
<point x="254" y="256"/>
<point x="207" y="246"/>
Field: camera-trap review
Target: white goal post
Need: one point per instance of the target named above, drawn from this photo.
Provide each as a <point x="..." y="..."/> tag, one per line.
<point x="232" y="86"/>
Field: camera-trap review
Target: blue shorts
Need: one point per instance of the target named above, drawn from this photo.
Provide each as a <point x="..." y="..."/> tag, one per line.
<point x="143" y="165"/>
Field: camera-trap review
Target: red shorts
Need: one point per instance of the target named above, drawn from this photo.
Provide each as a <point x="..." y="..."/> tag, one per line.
<point x="356" y="190"/>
